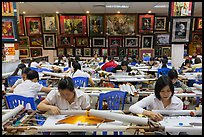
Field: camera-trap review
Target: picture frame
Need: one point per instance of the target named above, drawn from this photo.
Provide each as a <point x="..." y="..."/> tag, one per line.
<point x="132" y="41"/>
<point x="144" y="52"/>
<point x="87" y="52"/>
<point x="98" y="41"/>
<point x="23" y="52"/>
<point x="78" y="52"/>
<point x="198" y="24"/>
<point x="120" y="24"/>
<point x="121" y="51"/>
<point x="35" y="52"/>
<point x="166" y="51"/>
<point x="66" y="40"/>
<point x="96" y="27"/>
<point x="162" y="39"/>
<point x="96" y="51"/>
<point x="147" y="41"/>
<point x="196" y="37"/>
<point x="9" y="29"/>
<point x="178" y="9"/>
<point x="8" y="8"/>
<point x="180" y="30"/>
<point x="49" y="23"/>
<point x="60" y="52"/>
<point x="24" y="41"/>
<point x="104" y="52"/>
<point x="158" y="51"/>
<point x="160" y="23"/>
<point x="33" y="25"/>
<point x="146" y="23"/>
<point x="132" y="51"/>
<point x="113" y="52"/>
<point x="115" y="41"/>
<point x="36" y="41"/>
<point x="70" y="52"/>
<point x="73" y="24"/>
<point x="82" y="42"/>
<point x="49" y="41"/>
<point x="21" y="30"/>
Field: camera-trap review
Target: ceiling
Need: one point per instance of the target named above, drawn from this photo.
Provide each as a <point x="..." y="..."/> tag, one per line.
<point x="33" y="8"/>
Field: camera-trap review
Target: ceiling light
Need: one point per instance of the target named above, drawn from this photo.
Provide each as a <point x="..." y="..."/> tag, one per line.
<point x="21" y="2"/>
<point x="118" y="12"/>
<point x="149" y="11"/>
<point x="117" y="6"/>
<point x="87" y="11"/>
<point x="160" y="6"/>
<point x="24" y="12"/>
<point x="57" y="12"/>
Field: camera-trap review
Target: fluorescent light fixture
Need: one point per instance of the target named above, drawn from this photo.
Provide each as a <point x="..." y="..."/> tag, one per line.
<point x="57" y="12"/>
<point x="24" y="12"/>
<point x="117" y="6"/>
<point x="118" y="12"/>
<point x="161" y="6"/>
<point x="87" y="11"/>
<point x="149" y="11"/>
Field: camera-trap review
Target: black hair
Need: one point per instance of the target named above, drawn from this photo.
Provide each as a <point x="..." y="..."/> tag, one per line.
<point x="32" y="60"/>
<point x="197" y="60"/>
<point x="77" y="58"/>
<point x="21" y="66"/>
<point x="187" y="61"/>
<point x="124" y="63"/>
<point x="104" y="58"/>
<point x="32" y="74"/>
<point x="151" y="59"/>
<point x="173" y="74"/>
<point x="76" y="66"/>
<point x="25" y="70"/>
<point x="161" y="83"/>
<point x="110" y="58"/>
<point x="66" y="83"/>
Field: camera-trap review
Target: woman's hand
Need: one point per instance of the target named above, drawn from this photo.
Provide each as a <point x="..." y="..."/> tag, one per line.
<point x="54" y="110"/>
<point x="155" y="116"/>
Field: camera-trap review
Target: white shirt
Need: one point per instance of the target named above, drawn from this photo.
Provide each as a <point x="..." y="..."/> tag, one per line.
<point x="19" y="81"/>
<point x="34" y="64"/>
<point x="81" y="101"/>
<point x="28" y="89"/>
<point x="3" y="87"/>
<point x="152" y="103"/>
<point x="79" y="73"/>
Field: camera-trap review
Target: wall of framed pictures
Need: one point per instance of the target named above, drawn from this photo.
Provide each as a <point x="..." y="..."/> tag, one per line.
<point x="107" y="34"/>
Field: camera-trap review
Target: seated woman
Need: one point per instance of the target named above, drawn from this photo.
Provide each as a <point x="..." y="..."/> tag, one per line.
<point x="19" y="81"/>
<point x="33" y="63"/>
<point x="30" y="87"/>
<point x="59" y="61"/>
<point x="18" y="70"/>
<point x="124" y="67"/>
<point x="197" y="63"/>
<point x="162" y="99"/>
<point x="65" y="98"/>
<point x="95" y="59"/>
<point x="173" y="75"/>
<point x="187" y="67"/>
<point x="79" y="73"/>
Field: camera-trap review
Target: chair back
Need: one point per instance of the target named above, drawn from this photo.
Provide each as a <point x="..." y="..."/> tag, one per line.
<point x="198" y="70"/>
<point x="100" y="63"/>
<point x="109" y="69"/>
<point x="146" y="58"/>
<point x="15" y="100"/>
<point x="113" y="98"/>
<point x="34" y="68"/>
<point x="133" y="63"/>
<point x="80" y="81"/>
<point x="163" y="72"/>
<point x="12" y="80"/>
<point x="43" y="82"/>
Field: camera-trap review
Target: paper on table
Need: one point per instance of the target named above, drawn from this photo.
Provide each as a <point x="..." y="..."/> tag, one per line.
<point x="198" y="86"/>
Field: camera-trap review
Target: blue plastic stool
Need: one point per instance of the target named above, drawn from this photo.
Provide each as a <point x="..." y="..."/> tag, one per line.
<point x="163" y="72"/>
